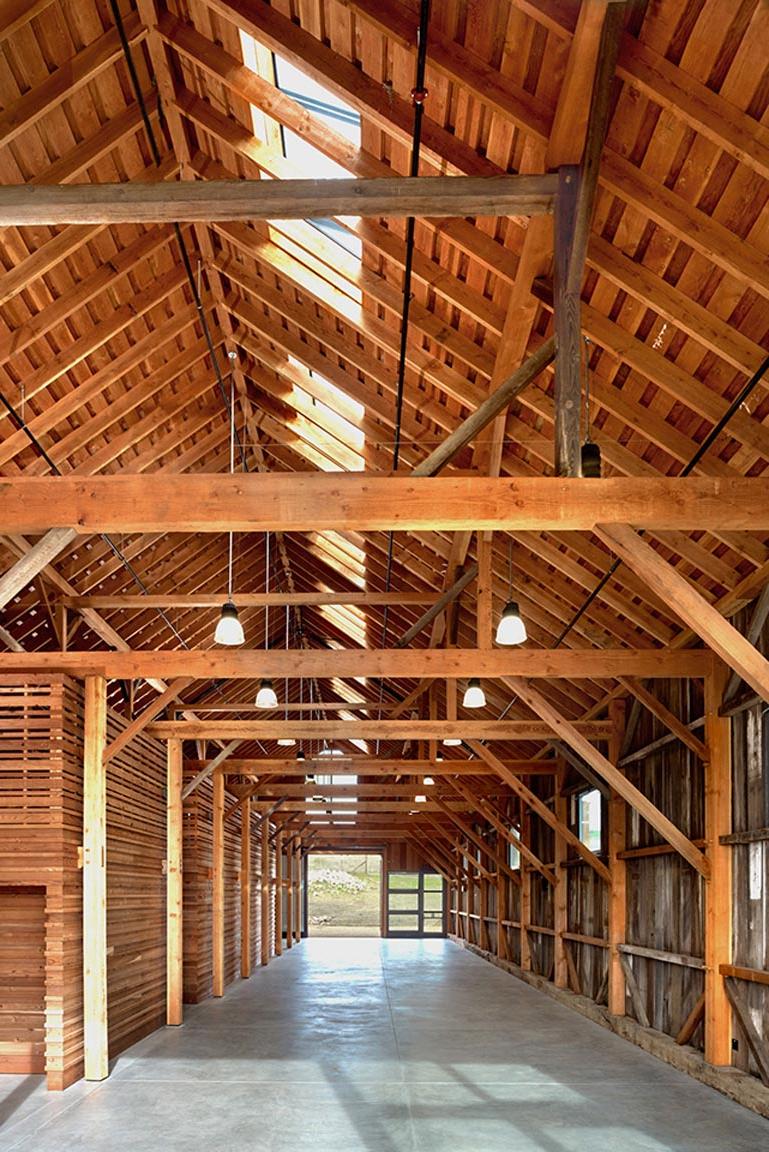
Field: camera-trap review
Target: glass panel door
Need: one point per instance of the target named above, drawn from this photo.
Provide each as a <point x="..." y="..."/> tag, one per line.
<point x="415" y="904"/>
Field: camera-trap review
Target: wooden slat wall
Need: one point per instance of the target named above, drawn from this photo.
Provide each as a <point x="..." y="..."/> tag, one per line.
<point x="22" y="979"/>
<point x="665" y="895"/>
<point x="41" y="753"/>
<point x="198" y="892"/>
<point x="41" y="819"/>
<point x="136" y="888"/>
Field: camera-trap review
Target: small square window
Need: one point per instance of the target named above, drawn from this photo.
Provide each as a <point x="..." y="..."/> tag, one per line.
<point x="589" y="819"/>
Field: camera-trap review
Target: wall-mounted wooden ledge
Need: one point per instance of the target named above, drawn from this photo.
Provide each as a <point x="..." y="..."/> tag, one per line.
<point x="412" y="663"/>
<point x="354" y="501"/>
<point x="752" y="975"/>
<point x="753" y="837"/>
<point x="739" y="1086"/>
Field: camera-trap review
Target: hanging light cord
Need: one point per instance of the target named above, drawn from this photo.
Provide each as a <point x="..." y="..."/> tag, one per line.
<point x="183" y="251"/>
<point x="418" y="96"/>
<point x="22" y="426"/>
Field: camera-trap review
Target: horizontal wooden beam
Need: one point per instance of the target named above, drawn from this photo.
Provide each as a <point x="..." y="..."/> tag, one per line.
<point x="204" y="201"/>
<point x="129" y="603"/>
<point x="360" y="502"/>
<point x="367" y="730"/>
<point x="371" y="663"/>
<point x="371" y="766"/>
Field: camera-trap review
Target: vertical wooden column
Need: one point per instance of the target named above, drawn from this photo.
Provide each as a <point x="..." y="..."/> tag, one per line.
<point x="483" y="909"/>
<point x="279" y="894"/>
<point x="525" y="891"/>
<point x="174" y="889"/>
<point x="501" y="911"/>
<point x="484" y="601"/>
<point x="432" y="703"/>
<point x="718" y="888"/>
<point x="95" y="1039"/>
<point x="566" y="290"/>
<point x="265" y="909"/>
<point x="617" y="837"/>
<point x="217" y="903"/>
<point x="289" y="867"/>
<point x="245" y="889"/>
<point x="561" y="893"/>
<point x="298" y="891"/>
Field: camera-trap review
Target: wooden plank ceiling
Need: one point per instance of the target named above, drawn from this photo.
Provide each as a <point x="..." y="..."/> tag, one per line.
<point x="103" y="355"/>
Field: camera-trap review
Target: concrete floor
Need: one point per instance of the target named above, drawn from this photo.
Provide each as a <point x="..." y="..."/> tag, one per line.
<point x="380" y="1046"/>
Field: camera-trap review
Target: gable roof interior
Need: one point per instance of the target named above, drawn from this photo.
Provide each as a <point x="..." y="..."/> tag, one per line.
<point x="104" y="356"/>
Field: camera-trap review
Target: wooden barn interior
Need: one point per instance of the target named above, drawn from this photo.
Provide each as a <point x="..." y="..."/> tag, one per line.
<point x="382" y="389"/>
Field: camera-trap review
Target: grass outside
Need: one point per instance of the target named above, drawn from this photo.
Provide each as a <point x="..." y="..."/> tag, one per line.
<point x="344" y="895"/>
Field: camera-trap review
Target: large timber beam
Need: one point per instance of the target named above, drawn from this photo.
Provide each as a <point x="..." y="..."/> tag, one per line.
<point x="705" y="620"/>
<point x="451" y="663"/>
<point x="131" y="203"/>
<point x="311" y="502"/>
<point x="568" y="731"/>
<point x="127" y="602"/>
<point x="32" y="564"/>
<point x="366" y="729"/>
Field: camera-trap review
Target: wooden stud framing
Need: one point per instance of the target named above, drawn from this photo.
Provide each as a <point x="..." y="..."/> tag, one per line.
<point x="95" y="1039"/>
<point x="174" y="885"/>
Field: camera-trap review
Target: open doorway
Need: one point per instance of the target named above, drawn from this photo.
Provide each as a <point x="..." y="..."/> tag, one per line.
<point x="344" y="894"/>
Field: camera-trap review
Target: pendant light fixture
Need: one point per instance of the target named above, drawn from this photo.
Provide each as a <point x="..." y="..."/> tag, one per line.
<point x="451" y="741"/>
<point x="439" y="756"/>
<point x="265" y="697"/>
<point x="590" y="453"/>
<point x="286" y="741"/>
<point x="511" y="628"/>
<point x="428" y="780"/>
<point x="229" y="630"/>
<point x="474" y="696"/>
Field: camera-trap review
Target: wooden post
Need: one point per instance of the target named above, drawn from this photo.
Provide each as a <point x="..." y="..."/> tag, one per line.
<point x="568" y="389"/>
<point x="617" y="842"/>
<point x="483" y="909"/>
<point x="561" y="891"/>
<point x="174" y="888"/>
<point x="278" y="926"/>
<point x="484" y="602"/>
<point x="718" y="888"/>
<point x="265" y="908"/>
<point x="217" y="905"/>
<point x="502" y="883"/>
<point x="245" y="889"/>
<point x="525" y="891"/>
<point x="95" y="1040"/>
<point x="298" y="892"/>
<point x="289" y="869"/>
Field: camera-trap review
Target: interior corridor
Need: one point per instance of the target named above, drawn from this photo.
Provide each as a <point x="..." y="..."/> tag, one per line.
<point x="380" y="1046"/>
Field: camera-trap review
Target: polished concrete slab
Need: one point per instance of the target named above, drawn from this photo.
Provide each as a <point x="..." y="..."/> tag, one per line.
<point x="379" y="1046"/>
